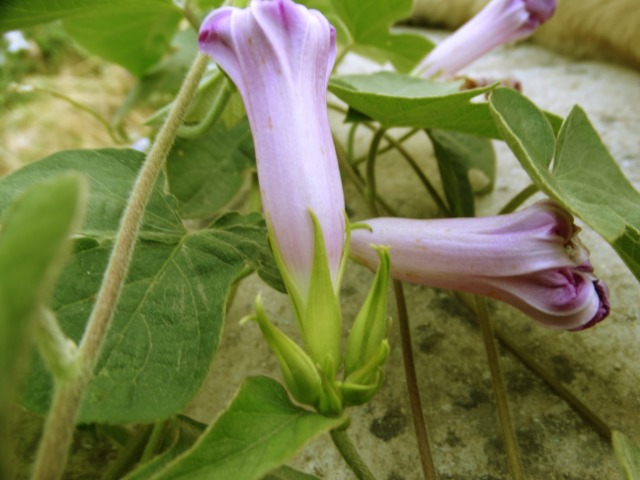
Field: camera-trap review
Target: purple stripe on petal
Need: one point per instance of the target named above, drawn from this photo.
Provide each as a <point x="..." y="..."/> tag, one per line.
<point x="280" y="55"/>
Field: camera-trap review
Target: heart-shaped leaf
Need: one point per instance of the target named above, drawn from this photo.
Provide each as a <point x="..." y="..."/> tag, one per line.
<point x="169" y="319"/>
<point x="576" y="170"/>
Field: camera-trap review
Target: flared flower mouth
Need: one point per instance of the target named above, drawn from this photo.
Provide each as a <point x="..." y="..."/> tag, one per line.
<point x="532" y="259"/>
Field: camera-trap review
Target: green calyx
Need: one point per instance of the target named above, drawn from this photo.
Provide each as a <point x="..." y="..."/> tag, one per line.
<point x="367" y="346"/>
<point x="318" y="314"/>
<point x="306" y="381"/>
<point x="311" y="373"/>
<point x="360" y="387"/>
<point x="321" y="320"/>
<point x="299" y="372"/>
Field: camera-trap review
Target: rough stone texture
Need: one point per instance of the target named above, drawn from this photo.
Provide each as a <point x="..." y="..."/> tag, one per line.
<point x="599" y="365"/>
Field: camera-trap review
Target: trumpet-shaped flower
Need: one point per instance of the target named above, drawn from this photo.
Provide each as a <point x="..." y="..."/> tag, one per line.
<point x="500" y="21"/>
<point x="279" y="55"/>
<point x="531" y="259"/>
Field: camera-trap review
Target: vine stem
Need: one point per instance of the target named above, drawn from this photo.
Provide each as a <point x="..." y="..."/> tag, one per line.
<point x="393" y="143"/>
<point x="371" y="191"/>
<point x="598" y="424"/>
<point x="428" y="468"/>
<point x="528" y="360"/>
<point x="348" y="451"/>
<point x="356" y="180"/>
<point x="511" y="443"/>
<point x="58" y="432"/>
<point x="519" y="199"/>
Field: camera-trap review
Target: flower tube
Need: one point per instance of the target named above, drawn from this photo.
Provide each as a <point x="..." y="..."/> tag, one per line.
<point x="500" y="21"/>
<point x="279" y="55"/>
<point x="531" y="259"/>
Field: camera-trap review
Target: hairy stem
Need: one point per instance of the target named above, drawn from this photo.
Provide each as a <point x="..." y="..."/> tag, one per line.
<point x="58" y="433"/>
<point x="428" y="468"/>
<point x="511" y="443"/>
<point x="350" y="454"/>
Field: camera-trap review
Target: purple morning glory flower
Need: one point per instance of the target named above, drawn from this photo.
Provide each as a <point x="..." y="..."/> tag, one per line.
<point x="531" y="259"/>
<point x="280" y="55"/>
<point x="500" y="21"/>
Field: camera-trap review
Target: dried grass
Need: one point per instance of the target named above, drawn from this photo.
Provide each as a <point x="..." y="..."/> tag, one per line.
<point x="41" y="124"/>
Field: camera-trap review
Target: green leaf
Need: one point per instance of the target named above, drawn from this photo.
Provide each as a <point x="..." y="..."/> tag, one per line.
<point x="134" y="34"/>
<point x="628" y="455"/>
<point x="259" y="431"/>
<point x="110" y="173"/>
<point x="209" y="4"/>
<point x="169" y="319"/>
<point x="397" y="100"/>
<point x="458" y="155"/>
<point x="524" y="128"/>
<point x="207" y="172"/>
<point x="34" y="241"/>
<point x="288" y="473"/>
<point x="368" y="25"/>
<point x="580" y="174"/>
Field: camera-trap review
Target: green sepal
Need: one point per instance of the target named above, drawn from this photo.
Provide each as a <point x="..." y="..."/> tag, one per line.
<point x="359" y="226"/>
<point x="300" y="374"/>
<point x="287" y="279"/>
<point x="331" y="400"/>
<point x="345" y="255"/>
<point x="322" y="320"/>
<point x="371" y="326"/>
<point x="363" y="384"/>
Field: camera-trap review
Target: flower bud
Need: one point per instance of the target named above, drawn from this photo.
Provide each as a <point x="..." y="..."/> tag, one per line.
<point x="300" y="374"/>
<point x="500" y="21"/>
<point x="371" y="326"/>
